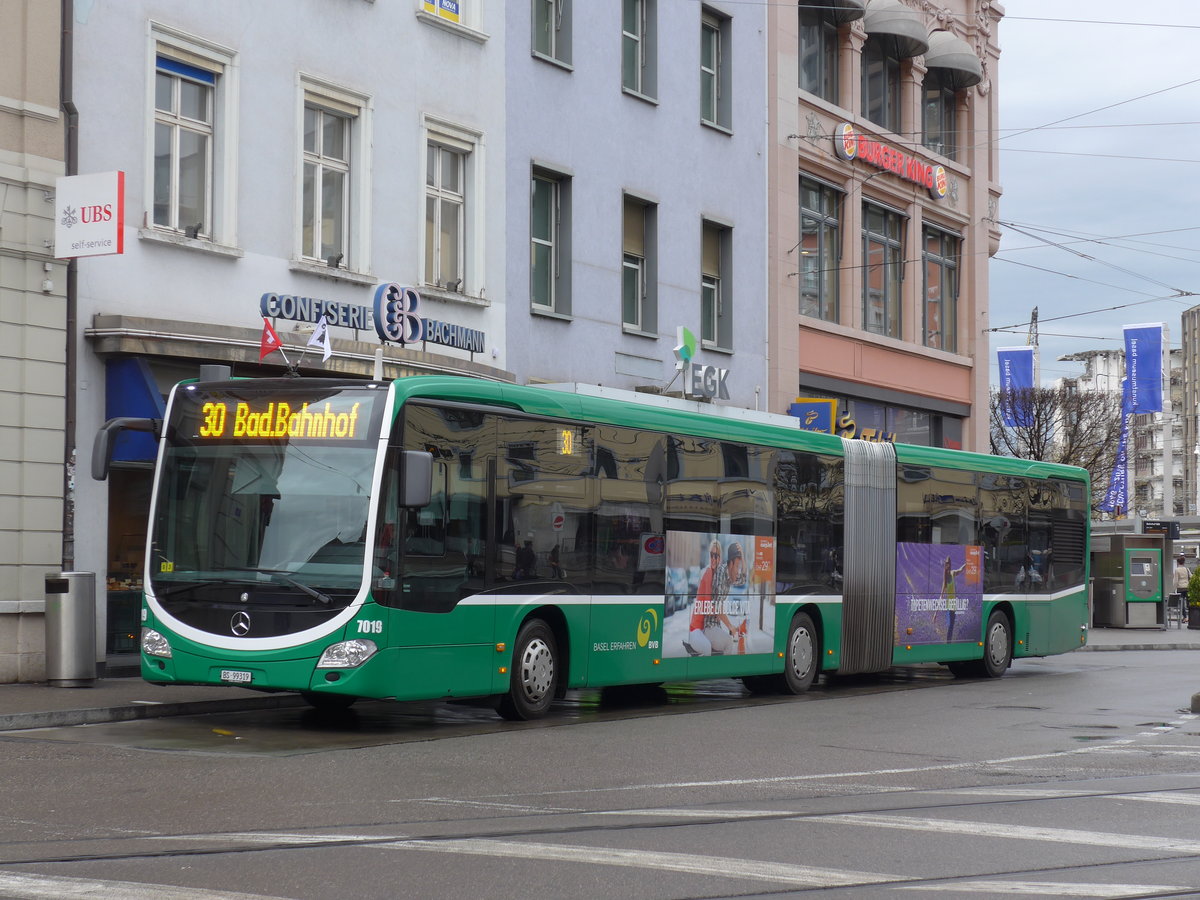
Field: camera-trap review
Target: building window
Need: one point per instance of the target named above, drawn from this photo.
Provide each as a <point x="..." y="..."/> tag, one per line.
<point x="461" y="17"/>
<point x="334" y="145"/>
<point x="884" y="266"/>
<point x="549" y="242"/>
<point x="940" y="115"/>
<point x="715" y="90"/>
<point x="638" y="46"/>
<point x="445" y="219"/>
<point x="191" y="179"/>
<point x="819" y="250"/>
<point x="183" y="146"/>
<point x="818" y="53"/>
<point x="552" y="30"/>
<point x="638" y="266"/>
<point x="326" y="180"/>
<point x="716" y="318"/>
<point x="881" y="84"/>
<point x="940" y="256"/>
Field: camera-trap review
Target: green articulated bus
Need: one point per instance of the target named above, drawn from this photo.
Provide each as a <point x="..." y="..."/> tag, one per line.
<point x="448" y="537"/>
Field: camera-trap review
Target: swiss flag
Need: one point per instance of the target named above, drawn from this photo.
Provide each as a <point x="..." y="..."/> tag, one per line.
<point x="270" y="341"/>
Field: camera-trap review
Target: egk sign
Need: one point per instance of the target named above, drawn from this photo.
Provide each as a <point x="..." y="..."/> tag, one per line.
<point x="699" y="382"/>
<point x="848" y="145"/>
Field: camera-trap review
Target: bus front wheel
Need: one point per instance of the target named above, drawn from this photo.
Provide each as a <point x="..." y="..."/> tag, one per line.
<point x="534" y="674"/>
<point x="801" y="660"/>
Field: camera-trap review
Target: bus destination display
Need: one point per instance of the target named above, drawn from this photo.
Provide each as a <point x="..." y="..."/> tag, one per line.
<point x="345" y="417"/>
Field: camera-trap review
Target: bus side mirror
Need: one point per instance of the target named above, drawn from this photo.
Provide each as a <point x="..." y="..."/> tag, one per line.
<point x="102" y="446"/>
<point x="416" y="478"/>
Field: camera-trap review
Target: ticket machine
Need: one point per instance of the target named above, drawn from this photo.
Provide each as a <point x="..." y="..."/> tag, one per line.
<point x="1129" y="590"/>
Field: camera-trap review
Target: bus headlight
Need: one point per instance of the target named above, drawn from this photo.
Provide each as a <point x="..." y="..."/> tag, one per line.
<point x="347" y="654"/>
<point x="154" y="644"/>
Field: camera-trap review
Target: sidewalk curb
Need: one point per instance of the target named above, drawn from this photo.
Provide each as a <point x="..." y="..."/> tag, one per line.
<point x="1102" y="648"/>
<point x="128" y="713"/>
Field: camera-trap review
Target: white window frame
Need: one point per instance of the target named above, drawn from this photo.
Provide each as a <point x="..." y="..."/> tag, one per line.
<point x="719" y="27"/>
<point x="357" y="109"/>
<point x="643" y="267"/>
<point x="467" y="24"/>
<point x="711" y="75"/>
<point x="559" y="242"/>
<point x="644" y="39"/>
<point x="558" y="19"/>
<point x="717" y="285"/>
<point x="222" y="179"/>
<point x="469" y="143"/>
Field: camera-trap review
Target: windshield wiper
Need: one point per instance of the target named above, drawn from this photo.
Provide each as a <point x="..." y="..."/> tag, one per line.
<point x="299" y="585"/>
<point x="282" y="575"/>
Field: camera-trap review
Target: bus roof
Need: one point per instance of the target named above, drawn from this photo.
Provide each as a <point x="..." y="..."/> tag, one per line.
<point x="653" y="412"/>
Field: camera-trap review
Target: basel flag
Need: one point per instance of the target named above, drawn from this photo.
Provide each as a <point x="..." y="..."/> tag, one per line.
<point x="270" y="341"/>
<point x="1143" y="368"/>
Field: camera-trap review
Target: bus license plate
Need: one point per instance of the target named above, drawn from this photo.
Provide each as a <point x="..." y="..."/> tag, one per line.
<point x="235" y="676"/>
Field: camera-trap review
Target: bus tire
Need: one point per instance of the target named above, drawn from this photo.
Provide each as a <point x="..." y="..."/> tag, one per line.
<point x="997" y="651"/>
<point x="801" y="656"/>
<point x="533" y="675"/>
<point x="997" y="646"/>
<point x="328" y="702"/>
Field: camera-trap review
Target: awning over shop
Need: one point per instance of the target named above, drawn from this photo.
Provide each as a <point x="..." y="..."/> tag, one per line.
<point x="842" y="11"/>
<point x="894" y="22"/>
<point x="960" y="67"/>
<point x="130" y="390"/>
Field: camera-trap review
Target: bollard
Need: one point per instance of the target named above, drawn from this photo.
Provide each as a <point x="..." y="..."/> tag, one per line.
<point x="71" y="629"/>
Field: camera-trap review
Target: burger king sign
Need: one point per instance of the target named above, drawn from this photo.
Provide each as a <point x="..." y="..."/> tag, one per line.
<point x="849" y="145"/>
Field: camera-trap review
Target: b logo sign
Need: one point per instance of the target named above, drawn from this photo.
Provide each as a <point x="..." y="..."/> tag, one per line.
<point x="396" y="316"/>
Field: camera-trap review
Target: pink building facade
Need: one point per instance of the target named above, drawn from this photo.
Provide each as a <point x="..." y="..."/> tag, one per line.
<point x="883" y="199"/>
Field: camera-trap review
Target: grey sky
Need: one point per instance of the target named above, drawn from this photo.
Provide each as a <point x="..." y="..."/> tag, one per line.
<point x="1120" y="184"/>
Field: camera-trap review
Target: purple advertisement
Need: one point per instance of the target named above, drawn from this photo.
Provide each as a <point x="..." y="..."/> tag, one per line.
<point x="939" y="593"/>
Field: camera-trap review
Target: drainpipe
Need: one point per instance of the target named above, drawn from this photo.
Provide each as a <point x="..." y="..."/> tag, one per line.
<point x="65" y="87"/>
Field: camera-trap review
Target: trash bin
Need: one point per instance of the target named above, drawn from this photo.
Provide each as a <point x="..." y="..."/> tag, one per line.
<point x="71" y="629"/>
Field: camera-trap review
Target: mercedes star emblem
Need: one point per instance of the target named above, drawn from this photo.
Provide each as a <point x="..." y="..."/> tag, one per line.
<point x="240" y="623"/>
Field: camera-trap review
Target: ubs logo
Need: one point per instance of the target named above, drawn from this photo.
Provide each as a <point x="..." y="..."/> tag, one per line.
<point x="240" y="623"/>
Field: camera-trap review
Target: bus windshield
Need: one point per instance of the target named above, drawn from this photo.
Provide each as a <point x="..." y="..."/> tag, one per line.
<point x="267" y="484"/>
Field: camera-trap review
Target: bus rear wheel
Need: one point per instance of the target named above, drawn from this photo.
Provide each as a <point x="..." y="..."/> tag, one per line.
<point x="997" y="651"/>
<point x="534" y="674"/>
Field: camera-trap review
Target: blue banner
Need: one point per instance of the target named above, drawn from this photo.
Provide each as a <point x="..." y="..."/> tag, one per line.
<point x="1016" y="378"/>
<point x="1143" y="367"/>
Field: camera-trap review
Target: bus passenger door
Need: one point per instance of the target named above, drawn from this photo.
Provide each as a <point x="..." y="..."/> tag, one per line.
<point x="444" y="627"/>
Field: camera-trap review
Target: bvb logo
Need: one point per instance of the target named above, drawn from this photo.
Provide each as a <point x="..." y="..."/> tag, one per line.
<point x="647" y="625"/>
<point x="396" y="317"/>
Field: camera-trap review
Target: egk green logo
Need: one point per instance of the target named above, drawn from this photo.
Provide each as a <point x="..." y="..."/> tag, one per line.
<point x="698" y="380"/>
<point x="647" y="626"/>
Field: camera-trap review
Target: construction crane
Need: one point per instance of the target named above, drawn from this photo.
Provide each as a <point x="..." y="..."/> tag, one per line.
<point x="1032" y="341"/>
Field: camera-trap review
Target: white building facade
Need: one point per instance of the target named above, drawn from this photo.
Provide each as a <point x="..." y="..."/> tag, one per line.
<point x="281" y="159"/>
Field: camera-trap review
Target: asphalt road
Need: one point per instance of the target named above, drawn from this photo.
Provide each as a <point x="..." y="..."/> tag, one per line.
<point x="1075" y="776"/>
